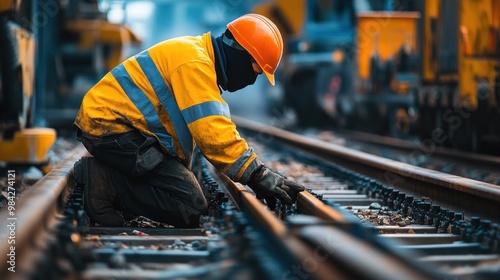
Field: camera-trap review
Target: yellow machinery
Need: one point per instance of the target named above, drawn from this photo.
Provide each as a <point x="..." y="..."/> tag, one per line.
<point x="454" y="47"/>
<point x="81" y="45"/>
<point x="11" y="87"/>
<point x="19" y="143"/>
<point x="479" y="52"/>
<point x="89" y="39"/>
<point x="28" y="147"/>
<point x="461" y="74"/>
<point x="426" y="68"/>
<point x="385" y="43"/>
<point x="384" y="35"/>
<point x="477" y="48"/>
<point x="74" y="39"/>
<point x="9" y="6"/>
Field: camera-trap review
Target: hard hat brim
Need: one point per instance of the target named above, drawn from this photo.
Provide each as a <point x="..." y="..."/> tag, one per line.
<point x="270" y="77"/>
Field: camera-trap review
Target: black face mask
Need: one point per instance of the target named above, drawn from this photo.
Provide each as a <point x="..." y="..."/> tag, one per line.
<point x="239" y="69"/>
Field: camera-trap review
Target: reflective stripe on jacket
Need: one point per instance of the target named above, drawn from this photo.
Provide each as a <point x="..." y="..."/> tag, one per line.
<point x="170" y="91"/>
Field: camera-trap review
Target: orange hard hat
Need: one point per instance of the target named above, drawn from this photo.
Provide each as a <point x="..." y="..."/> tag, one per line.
<point x="260" y="37"/>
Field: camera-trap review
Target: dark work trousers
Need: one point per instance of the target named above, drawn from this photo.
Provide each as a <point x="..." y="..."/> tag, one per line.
<point x="148" y="182"/>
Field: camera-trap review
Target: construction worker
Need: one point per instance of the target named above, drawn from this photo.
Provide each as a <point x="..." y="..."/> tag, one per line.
<point x="143" y="119"/>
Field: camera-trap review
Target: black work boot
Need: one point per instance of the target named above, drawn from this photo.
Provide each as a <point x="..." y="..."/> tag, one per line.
<point x="99" y="194"/>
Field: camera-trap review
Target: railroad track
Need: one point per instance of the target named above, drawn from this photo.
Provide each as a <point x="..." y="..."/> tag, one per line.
<point x="239" y="238"/>
<point x="320" y="237"/>
<point x="473" y="197"/>
<point x="461" y="238"/>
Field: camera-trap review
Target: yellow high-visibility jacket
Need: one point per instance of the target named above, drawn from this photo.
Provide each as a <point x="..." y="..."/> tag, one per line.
<point x="170" y="91"/>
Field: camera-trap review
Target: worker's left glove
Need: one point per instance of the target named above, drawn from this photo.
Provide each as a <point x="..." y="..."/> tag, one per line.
<point x="269" y="185"/>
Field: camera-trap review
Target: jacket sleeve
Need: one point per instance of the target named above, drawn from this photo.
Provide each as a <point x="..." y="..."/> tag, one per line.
<point x="208" y="119"/>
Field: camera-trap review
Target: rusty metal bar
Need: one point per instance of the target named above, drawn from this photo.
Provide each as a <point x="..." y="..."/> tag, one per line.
<point x="36" y="213"/>
<point x="243" y="197"/>
<point x="310" y="205"/>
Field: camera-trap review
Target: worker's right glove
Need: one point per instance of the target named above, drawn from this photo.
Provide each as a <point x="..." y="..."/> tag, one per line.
<point x="269" y="185"/>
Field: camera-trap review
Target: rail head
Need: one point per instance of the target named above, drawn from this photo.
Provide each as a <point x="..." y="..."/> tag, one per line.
<point x="246" y="200"/>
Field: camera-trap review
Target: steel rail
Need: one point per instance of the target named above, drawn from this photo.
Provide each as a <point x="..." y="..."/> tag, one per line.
<point x="307" y="241"/>
<point x="37" y="213"/>
<point x="473" y="197"/>
<point x="479" y="159"/>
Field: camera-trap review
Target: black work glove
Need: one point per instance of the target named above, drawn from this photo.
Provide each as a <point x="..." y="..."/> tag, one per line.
<point x="271" y="186"/>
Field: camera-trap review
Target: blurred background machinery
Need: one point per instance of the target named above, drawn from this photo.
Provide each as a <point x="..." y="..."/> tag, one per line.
<point x="16" y="87"/>
<point x="78" y="46"/>
<point x="459" y="101"/>
<point x="20" y="142"/>
<point x="51" y="53"/>
<point x="412" y="69"/>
